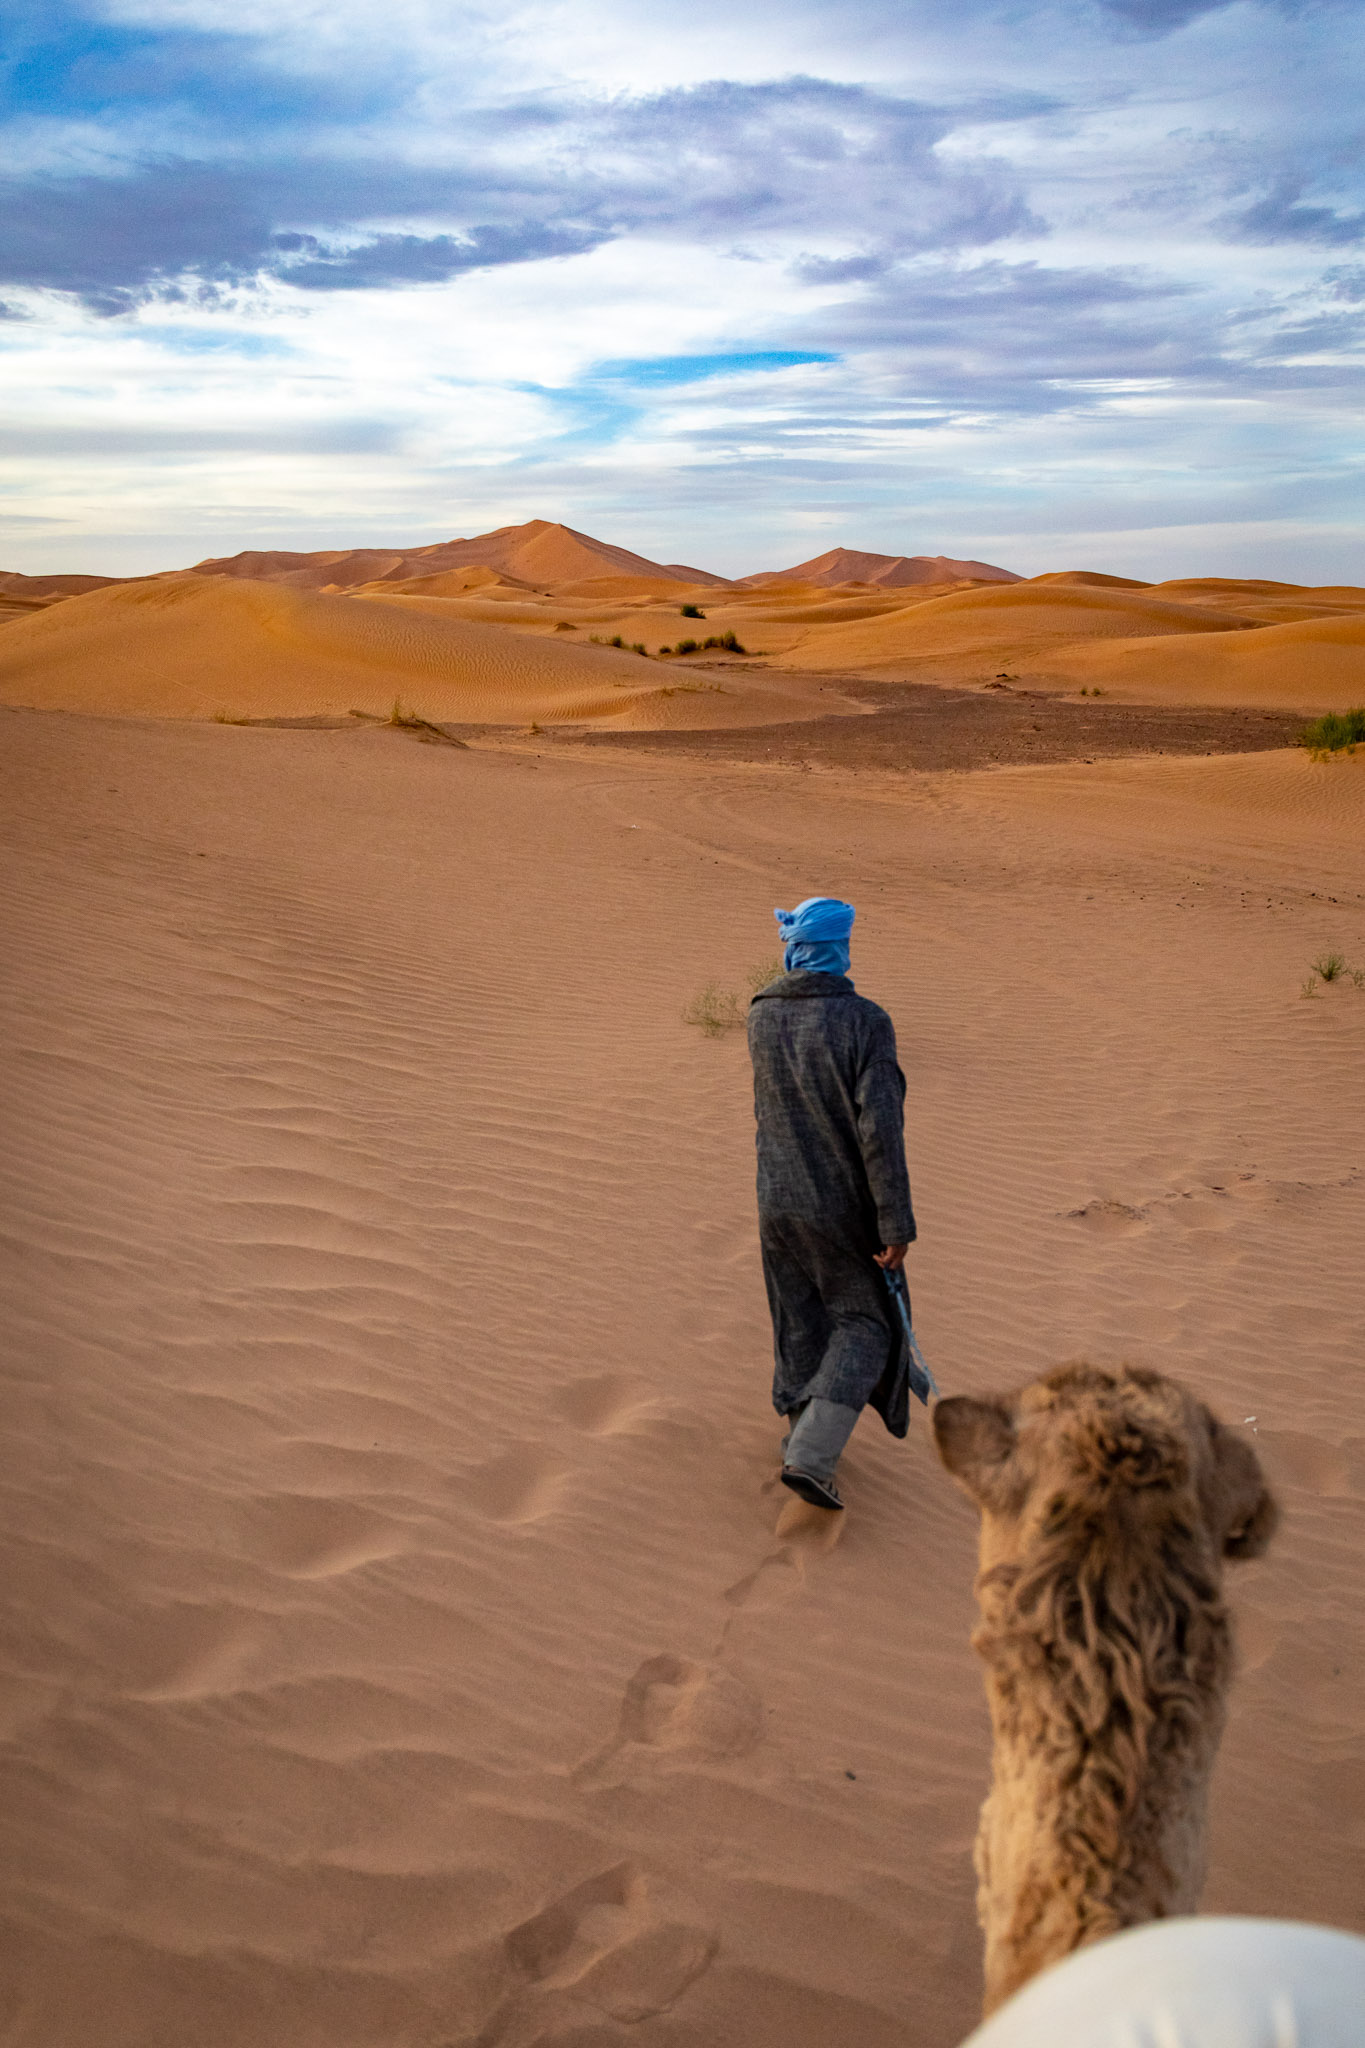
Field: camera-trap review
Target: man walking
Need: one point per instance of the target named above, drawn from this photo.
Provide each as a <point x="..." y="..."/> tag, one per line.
<point x="833" y="1196"/>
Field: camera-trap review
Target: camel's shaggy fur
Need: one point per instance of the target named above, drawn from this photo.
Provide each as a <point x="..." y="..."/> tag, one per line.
<point x="1109" y="1501"/>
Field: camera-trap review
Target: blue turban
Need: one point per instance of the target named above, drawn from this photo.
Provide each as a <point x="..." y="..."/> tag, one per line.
<point x="815" y="935"/>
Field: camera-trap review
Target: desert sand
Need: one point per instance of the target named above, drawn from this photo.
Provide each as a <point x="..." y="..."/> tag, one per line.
<point x="228" y="648"/>
<point x="407" y="1642"/>
<point x="273" y="634"/>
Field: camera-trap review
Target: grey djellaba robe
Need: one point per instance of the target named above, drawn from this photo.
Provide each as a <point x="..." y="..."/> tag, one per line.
<point x="833" y="1189"/>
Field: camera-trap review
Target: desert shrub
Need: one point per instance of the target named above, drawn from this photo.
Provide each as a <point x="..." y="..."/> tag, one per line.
<point x="1331" y="966"/>
<point x="687" y="647"/>
<point x="727" y="641"/>
<point x="638" y="647"/>
<point x="717" y="1009"/>
<point x="714" y="1011"/>
<point x="1309" y="988"/>
<point x="763" y="972"/>
<point x="691" y="611"/>
<point x="400" y="716"/>
<point x="1334" y="732"/>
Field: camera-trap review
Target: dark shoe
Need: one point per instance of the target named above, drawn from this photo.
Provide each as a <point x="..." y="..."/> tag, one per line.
<point x="821" y="1493"/>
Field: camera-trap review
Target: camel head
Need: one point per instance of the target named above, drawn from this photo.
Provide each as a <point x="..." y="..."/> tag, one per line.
<point x="1109" y="1500"/>
<point x="1120" y="1458"/>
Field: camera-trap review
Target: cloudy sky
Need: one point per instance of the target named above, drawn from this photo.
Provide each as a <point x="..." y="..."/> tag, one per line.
<point x="1057" y="283"/>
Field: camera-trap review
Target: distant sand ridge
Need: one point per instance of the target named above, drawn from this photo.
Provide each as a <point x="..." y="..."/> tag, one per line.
<point x="449" y="628"/>
<point x="188" y="647"/>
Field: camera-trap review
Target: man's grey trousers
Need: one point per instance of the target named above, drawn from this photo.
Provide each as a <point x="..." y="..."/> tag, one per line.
<point x="815" y="1442"/>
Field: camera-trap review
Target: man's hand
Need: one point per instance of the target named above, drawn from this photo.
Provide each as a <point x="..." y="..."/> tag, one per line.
<point x="891" y="1257"/>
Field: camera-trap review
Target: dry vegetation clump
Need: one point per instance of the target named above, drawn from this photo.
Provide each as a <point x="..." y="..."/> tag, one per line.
<point x="715" y="1011"/>
<point x="718" y="1010"/>
<point x="406" y="720"/>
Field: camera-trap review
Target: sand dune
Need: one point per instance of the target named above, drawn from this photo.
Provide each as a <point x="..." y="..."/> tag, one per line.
<point x="849" y="565"/>
<point x="1091" y="579"/>
<point x="541" y="551"/>
<point x="1269" y="604"/>
<point x="450" y="583"/>
<point x="1019" y="624"/>
<point x="13" y="584"/>
<point x="1310" y="665"/>
<point x="1233" y="589"/>
<point x="316" y="634"/>
<point x="193" y="647"/>
<point x="405" y="1641"/>
<point x="649" y="589"/>
<point x="21" y="596"/>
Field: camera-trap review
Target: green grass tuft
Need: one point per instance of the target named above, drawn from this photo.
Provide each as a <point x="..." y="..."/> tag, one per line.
<point x="1334" y="733"/>
<point x="1331" y="966"/>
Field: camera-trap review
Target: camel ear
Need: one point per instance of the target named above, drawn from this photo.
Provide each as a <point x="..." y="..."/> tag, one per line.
<point x="975" y="1440"/>
<point x="1246" y="1512"/>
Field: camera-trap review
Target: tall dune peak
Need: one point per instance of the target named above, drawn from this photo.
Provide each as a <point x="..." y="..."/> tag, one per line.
<point x="539" y="552"/>
<point x="890" y="572"/>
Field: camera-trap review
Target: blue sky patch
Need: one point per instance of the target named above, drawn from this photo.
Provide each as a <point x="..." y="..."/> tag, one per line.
<point x="666" y="370"/>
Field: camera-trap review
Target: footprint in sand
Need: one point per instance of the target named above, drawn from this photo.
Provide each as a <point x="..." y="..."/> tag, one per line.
<point x="520" y="1486"/>
<point x="813" y="1528"/>
<point x="607" y="1942"/>
<point x="776" y="1580"/>
<point x="802" y="1531"/>
<point x="1108" y="1218"/>
<point x="672" y="1703"/>
<point x="1204" y="1211"/>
